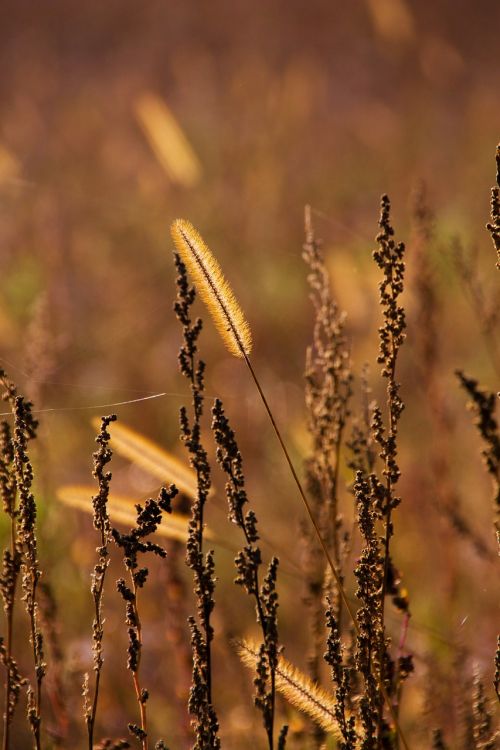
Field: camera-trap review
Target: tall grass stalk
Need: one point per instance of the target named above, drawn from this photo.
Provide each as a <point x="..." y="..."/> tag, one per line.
<point x="205" y="721"/>
<point x="19" y="503"/>
<point x="102" y="525"/>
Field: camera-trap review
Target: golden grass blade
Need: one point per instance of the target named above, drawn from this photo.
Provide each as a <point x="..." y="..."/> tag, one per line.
<point x="213" y="288"/>
<point x="151" y="457"/>
<point x="297" y="688"/>
<point x="121" y="510"/>
<point x="168" y="141"/>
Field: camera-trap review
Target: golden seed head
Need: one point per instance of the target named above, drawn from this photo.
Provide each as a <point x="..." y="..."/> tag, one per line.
<point x="213" y="288"/>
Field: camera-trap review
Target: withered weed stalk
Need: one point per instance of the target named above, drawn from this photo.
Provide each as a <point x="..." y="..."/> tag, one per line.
<point x="248" y="562"/>
<point x="134" y="544"/>
<point x="328" y="392"/>
<point x="205" y="722"/>
<point x="102" y="525"/>
<point x="493" y="226"/>
<point x="483" y="405"/>
<point x="16" y="479"/>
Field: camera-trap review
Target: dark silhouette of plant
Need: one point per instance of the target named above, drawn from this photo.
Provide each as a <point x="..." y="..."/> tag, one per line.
<point x="483" y="405"/>
<point x="16" y="479"/>
<point x="205" y="720"/>
<point x="248" y="562"/>
<point x="494" y="225"/>
<point x="134" y="544"/>
<point x="101" y="523"/>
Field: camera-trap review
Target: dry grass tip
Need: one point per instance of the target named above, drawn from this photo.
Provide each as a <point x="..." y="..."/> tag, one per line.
<point x="213" y="288"/>
<point x="298" y="689"/>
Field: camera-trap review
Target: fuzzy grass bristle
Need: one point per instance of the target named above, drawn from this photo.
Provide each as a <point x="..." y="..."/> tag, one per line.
<point x="213" y="288"/>
<point x="298" y="689"/>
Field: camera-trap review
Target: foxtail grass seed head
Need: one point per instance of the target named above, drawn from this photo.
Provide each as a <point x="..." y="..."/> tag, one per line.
<point x="213" y="288"/>
<point x="298" y="689"/>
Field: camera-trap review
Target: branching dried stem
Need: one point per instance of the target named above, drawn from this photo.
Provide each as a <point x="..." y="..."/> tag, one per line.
<point x="328" y="390"/>
<point x="360" y="445"/>
<point x="375" y="573"/>
<point x="205" y="720"/>
<point x="389" y="258"/>
<point x="341" y="678"/>
<point x="11" y="565"/>
<point x="483" y="405"/>
<point x="493" y="226"/>
<point x="134" y="544"/>
<point x="102" y="525"/>
<point x="328" y="393"/>
<point x="248" y="562"/>
<point x="19" y="503"/>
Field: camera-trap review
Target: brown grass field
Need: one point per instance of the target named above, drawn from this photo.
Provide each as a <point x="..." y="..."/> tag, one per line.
<point x="284" y="532"/>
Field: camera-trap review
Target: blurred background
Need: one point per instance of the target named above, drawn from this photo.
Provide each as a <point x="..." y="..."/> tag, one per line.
<point x="118" y="117"/>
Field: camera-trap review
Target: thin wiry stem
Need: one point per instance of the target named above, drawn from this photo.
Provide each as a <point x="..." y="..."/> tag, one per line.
<point x="302" y="494"/>
<point x="9" y="609"/>
<point x="101" y="523"/>
<point x="136" y="673"/>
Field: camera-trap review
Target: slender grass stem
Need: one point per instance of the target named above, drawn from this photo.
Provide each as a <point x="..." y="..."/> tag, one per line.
<point x="135" y="674"/>
<point x="322" y="541"/>
<point x="10" y="625"/>
<point x="303" y="495"/>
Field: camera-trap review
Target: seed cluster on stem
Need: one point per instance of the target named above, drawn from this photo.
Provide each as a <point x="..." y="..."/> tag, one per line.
<point x="248" y="562"/>
<point x="133" y="544"/>
<point x="102" y="457"/>
<point x="205" y="722"/>
<point x="16" y="479"/>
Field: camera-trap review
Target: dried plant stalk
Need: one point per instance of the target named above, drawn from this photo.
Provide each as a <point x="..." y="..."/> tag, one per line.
<point x="11" y="566"/>
<point x="494" y="225"/>
<point x="102" y="525"/>
<point x="389" y="258"/>
<point x="134" y="544"/>
<point x="205" y="721"/>
<point x="328" y="389"/>
<point x="248" y="562"/>
<point x="483" y="405"/>
<point x="21" y="507"/>
<point x="120" y="511"/>
<point x="152" y="458"/>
